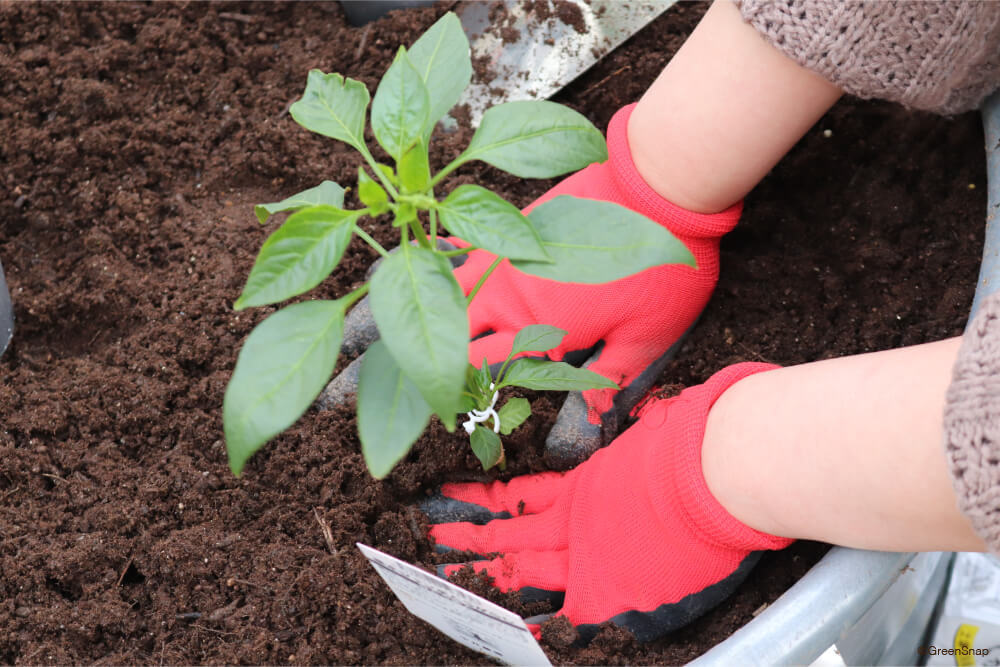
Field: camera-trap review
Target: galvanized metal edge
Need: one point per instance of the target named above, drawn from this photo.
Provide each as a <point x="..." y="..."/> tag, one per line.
<point x="817" y="611"/>
<point x="814" y="613"/>
<point x="989" y="272"/>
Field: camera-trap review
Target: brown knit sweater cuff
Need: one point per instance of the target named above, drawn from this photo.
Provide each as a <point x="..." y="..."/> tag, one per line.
<point x="972" y="423"/>
<point x="939" y="56"/>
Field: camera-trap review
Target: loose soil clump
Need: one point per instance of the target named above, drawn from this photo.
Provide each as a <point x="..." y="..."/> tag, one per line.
<point x="134" y="140"/>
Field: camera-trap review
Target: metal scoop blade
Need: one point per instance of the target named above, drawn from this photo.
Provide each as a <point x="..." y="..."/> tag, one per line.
<point x="6" y="313"/>
<point x="529" y="50"/>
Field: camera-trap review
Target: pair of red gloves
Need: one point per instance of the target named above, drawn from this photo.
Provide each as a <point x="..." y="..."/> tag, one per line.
<point x="631" y="535"/>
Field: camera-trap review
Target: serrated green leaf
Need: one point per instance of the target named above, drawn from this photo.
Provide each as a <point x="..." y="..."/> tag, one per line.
<point x="536" y="139"/>
<point x="284" y="364"/>
<point x="476" y="388"/>
<point x="391" y="412"/>
<point x="441" y="57"/>
<point x="371" y="193"/>
<point x="421" y="315"/>
<point x="334" y="107"/>
<point x="483" y="219"/>
<point x="543" y="375"/>
<point x="482" y="379"/>
<point x="327" y="192"/>
<point x="513" y="413"/>
<point x="298" y="256"/>
<point x="414" y="168"/>
<point x="483" y="375"/>
<point x="486" y="446"/>
<point x="400" y="108"/>
<point x="597" y="242"/>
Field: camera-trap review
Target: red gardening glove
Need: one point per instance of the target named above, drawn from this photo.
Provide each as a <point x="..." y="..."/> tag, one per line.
<point x="633" y="535"/>
<point x="626" y="328"/>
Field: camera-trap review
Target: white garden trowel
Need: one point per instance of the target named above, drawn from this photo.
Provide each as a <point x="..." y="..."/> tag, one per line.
<point x="528" y="50"/>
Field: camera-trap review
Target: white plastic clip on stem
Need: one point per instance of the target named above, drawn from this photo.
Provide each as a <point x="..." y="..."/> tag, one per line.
<point x="479" y="416"/>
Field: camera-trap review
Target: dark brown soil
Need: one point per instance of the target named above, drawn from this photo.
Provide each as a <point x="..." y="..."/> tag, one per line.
<point x="134" y="140"/>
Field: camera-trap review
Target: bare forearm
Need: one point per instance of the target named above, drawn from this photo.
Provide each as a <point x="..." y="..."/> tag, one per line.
<point x="727" y="107"/>
<point x="846" y="451"/>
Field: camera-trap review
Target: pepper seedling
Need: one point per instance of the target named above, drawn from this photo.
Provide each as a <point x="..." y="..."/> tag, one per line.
<point x="486" y="423"/>
<point x="419" y="366"/>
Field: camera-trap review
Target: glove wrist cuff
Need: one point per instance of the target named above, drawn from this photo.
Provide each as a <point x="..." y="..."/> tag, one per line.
<point x="675" y="467"/>
<point x="642" y="198"/>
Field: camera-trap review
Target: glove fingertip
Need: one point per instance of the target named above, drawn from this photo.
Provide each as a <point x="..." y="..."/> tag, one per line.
<point x="534" y="628"/>
<point x="359" y="329"/>
<point x="342" y="388"/>
<point x="446" y="570"/>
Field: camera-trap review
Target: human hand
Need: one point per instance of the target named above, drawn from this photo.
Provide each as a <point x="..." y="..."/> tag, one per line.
<point x="625" y="330"/>
<point x="633" y="535"/>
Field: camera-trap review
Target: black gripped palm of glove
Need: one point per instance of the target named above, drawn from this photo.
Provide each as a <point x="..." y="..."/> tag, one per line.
<point x="626" y="330"/>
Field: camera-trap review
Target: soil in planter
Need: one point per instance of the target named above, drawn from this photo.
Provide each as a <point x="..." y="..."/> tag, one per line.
<point x="134" y="139"/>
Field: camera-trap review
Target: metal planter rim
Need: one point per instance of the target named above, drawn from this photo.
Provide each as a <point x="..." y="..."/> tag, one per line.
<point x="815" y="613"/>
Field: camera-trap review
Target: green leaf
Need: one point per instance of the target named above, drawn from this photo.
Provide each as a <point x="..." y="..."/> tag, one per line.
<point x="441" y="57"/>
<point x="513" y="413"/>
<point x="471" y="384"/>
<point x="327" y="192"/>
<point x="536" y="139"/>
<point x="298" y="256"/>
<point x="485" y="378"/>
<point x="284" y="364"/>
<point x="477" y="386"/>
<point x="598" y="242"/>
<point x="482" y="380"/>
<point x="537" y="338"/>
<point x="391" y="412"/>
<point x="389" y="173"/>
<point x="545" y="375"/>
<point x="414" y="168"/>
<point x="421" y="315"/>
<point x="533" y="338"/>
<point x="482" y="218"/>
<point x="400" y="107"/>
<point x="486" y="446"/>
<point x="467" y="404"/>
<point x="405" y="212"/>
<point x="334" y="107"/>
<point x="371" y="193"/>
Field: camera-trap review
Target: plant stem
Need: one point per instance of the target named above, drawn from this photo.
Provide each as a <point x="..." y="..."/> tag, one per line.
<point x="434" y="223"/>
<point x="482" y="279"/>
<point x="389" y="187"/>
<point x="353" y="297"/>
<point x="503" y="369"/>
<point x="457" y="252"/>
<point x="370" y="241"/>
<point x="452" y="166"/>
<point x="418" y="234"/>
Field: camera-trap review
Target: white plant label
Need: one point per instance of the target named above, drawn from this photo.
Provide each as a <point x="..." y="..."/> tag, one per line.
<point x="468" y="619"/>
